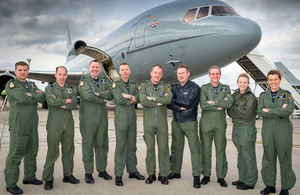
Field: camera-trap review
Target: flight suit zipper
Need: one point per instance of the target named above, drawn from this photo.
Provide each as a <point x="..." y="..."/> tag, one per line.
<point x="215" y="112"/>
<point x="130" y="110"/>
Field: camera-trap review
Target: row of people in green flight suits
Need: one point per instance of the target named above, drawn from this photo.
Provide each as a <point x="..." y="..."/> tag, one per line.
<point x="154" y="95"/>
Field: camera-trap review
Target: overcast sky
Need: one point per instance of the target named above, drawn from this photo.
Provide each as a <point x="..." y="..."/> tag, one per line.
<point x="35" y="29"/>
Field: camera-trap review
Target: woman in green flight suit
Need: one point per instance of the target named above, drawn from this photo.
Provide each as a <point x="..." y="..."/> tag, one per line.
<point x="275" y="106"/>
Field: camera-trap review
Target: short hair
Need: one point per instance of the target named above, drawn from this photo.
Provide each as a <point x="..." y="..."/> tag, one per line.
<point x="124" y="63"/>
<point x="243" y="75"/>
<point x="273" y="72"/>
<point x="183" y="66"/>
<point x="61" y="67"/>
<point x="160" y="66"/>
<point x="21" y="63"/>
<point x="94" y="61"/>
<point x="214" y="67"/>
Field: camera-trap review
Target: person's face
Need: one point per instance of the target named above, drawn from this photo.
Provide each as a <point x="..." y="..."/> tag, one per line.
<point x="243" y="83"/>
<point x="183" y="75"/>
<point x="214" y="76"/>
<point x="274" y="82"/>
<point x="156" y="74"/>
<point x="94" y="69"/>
<point x="124" y="72"/>
<point x="22" y="72"/>
<point x="61" y="76"/>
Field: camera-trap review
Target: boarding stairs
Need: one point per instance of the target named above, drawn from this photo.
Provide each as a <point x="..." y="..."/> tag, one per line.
<point x="258" y="66"/>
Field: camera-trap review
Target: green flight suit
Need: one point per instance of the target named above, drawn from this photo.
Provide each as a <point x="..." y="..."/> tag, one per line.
<point x="60" y="128"/>
<point x="23" y="124"/>
<point x="94" y="122"/>
<point x="125" y="126"/>
<point x="277" y="137"/>
<point x="155" y="122"/>
<point x="213" y="126"/>
<point x="243" y="114"/>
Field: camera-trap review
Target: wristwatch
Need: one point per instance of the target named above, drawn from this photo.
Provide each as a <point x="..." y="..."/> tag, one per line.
<point x="130" y="96"/>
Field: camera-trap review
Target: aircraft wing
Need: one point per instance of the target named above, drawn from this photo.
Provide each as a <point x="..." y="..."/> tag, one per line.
<point x="48" y="76"/>
<point x="44" y="76"/>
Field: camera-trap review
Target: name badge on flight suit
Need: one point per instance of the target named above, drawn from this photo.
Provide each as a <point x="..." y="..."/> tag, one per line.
<point x="68" y="90"/>
<point x="162" y="87"/>
<point x="32" y="86"/>
<point x="282" y="96"/>
<point x="224" y="89"/>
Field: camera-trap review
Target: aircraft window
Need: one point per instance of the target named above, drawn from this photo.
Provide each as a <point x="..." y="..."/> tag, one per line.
<point x="190" y="15"/>
<point x="222" y="11"/>
<point x="203" y="12"/>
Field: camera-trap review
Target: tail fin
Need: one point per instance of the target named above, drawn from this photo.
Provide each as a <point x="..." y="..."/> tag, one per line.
<point x="68" y="40"/>
<point x="70" y="54"/>
<point x="287" y="73"/>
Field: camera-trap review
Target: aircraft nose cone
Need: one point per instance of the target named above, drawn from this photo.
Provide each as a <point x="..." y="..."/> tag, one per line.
<point x="251" y="31"/>
<point x="242" y="35"/>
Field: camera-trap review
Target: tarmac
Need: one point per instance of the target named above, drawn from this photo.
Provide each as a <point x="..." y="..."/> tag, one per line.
<point x="184" y="185"/>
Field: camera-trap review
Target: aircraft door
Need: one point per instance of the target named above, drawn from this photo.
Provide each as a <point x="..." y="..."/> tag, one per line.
<point x="139" y="39"/>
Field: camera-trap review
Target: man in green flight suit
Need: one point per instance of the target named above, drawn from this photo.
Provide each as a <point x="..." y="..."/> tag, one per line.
<point x="94" y="92"/>
<point x="155" y="95"/>
<point x="23" y="97"/>
<point x="61" y="100"/>
<point x="215" y="97"/>
<point x="126" y="95"/>
<point x="275" y="106"/>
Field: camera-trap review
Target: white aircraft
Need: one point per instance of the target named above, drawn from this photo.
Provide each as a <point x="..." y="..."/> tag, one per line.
<point x="198" y="33"/>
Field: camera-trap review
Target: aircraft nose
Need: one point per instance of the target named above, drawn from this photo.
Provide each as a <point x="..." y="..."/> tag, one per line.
<point x="247" y="33"/>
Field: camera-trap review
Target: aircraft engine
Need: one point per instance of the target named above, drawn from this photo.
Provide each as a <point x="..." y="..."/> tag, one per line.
<point x="4" y="78"/>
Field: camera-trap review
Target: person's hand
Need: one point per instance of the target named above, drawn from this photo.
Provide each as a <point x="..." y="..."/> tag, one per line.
<point x="125" y="95"/>
<point x="284" y="105"/>
<point x="68" y="101"/>
<point x="265" y="110"/>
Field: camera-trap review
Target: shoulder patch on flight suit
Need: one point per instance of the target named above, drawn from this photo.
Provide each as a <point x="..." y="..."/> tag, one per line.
<point x="81" y="83"/>
<point x="132" y="86"/>
<point x="11" y="85"/>
<point x="290" y="98"/>
<point x="103" y="81"/>
<point x="169" y="86"/>
<point x="50" y="85"/>
<point x="114" y="85"/>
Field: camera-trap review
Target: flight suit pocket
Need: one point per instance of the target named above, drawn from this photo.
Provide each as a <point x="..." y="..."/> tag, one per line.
<point x="22" y="144"/>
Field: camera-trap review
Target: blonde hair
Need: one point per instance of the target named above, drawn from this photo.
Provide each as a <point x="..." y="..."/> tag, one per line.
<point x="243" y="75"/>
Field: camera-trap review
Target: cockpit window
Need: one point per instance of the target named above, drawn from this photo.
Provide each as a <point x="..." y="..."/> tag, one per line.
<point x="203" y="12"/>
<point x="222" y="11"/>
<point x="190" y="15"/>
